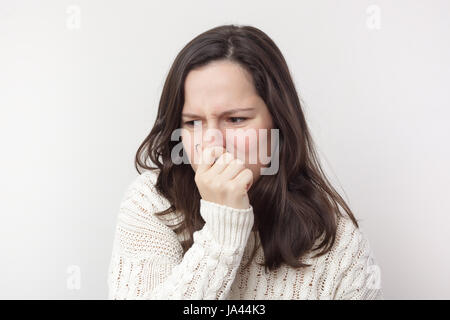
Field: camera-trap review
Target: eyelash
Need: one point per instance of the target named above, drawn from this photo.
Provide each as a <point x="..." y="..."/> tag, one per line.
<point x="190" y="123"/>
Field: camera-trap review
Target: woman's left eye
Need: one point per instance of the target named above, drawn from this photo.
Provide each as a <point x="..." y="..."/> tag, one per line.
<point x="239" y="118"/>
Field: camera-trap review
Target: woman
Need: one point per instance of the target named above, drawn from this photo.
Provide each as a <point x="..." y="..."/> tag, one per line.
<point x="209" y="223"/>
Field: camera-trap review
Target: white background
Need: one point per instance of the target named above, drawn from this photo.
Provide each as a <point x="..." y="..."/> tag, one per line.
<point x="79" y="93"/>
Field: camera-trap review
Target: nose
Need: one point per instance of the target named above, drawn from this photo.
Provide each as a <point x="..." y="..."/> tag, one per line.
<point x="213" y="137"/>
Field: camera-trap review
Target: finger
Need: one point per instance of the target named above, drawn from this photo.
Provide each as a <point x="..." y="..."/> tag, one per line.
<point x="221" y="163"/>
<point x="208" y="157"/>
<point x="232" y="169"/>
<point x="244" y="178"/>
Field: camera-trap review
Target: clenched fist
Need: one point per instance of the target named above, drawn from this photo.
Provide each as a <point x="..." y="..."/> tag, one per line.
<point x="222" y="179"/>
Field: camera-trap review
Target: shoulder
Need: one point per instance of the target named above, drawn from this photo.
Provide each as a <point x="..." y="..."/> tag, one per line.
<point x="351" y="247"/>
<point x="142" y="190"/>
<point x="144" y="182"/>
<point x="139" y="230"/>
<point x="350" y="238"/>
<point x="142" y="196"/>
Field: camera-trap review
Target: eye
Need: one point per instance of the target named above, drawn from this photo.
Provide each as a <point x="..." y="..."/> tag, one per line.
<point x="234" y="120"/>
<point x="237" y="118"/>
<point x="191" y="123"/>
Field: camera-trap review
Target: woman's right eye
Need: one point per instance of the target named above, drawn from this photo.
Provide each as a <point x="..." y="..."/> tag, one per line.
<point x="192" y="122"/>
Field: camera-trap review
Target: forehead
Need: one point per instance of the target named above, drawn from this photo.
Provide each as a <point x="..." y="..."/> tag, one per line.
<point x="218" y="86"/>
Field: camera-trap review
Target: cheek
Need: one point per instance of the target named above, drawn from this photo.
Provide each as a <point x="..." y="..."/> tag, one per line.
<point x="247" y="147"/>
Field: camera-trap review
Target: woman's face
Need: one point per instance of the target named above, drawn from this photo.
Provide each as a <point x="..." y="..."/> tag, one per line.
<point x="214" y="97"/>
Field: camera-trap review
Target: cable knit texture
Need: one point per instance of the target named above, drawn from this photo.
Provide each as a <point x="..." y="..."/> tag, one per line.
<point x="147" y="260"/>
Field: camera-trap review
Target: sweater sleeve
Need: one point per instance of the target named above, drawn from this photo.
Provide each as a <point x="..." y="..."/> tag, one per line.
<point x="360" y="276"/>
<point x="147" y="261"/>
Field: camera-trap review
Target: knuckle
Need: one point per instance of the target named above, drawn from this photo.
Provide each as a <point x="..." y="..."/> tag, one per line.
<point x="222" y="159"/>
<point x="225" y="158"/>
<point x="237" y="162"/>
<point x="247" y="174"/>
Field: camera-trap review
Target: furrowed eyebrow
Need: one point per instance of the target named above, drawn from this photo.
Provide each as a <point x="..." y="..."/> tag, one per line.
<point x="191" y="115"/>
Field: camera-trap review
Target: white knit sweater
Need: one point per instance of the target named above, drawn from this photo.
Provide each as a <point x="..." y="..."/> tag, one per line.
<point x="147" y="260"/>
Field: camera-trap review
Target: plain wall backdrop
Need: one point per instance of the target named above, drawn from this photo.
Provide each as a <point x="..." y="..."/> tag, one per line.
<point x="79" y="89"/>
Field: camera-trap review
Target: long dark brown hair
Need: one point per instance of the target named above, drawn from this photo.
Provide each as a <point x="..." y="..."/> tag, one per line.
<point x="293" y="208"/>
